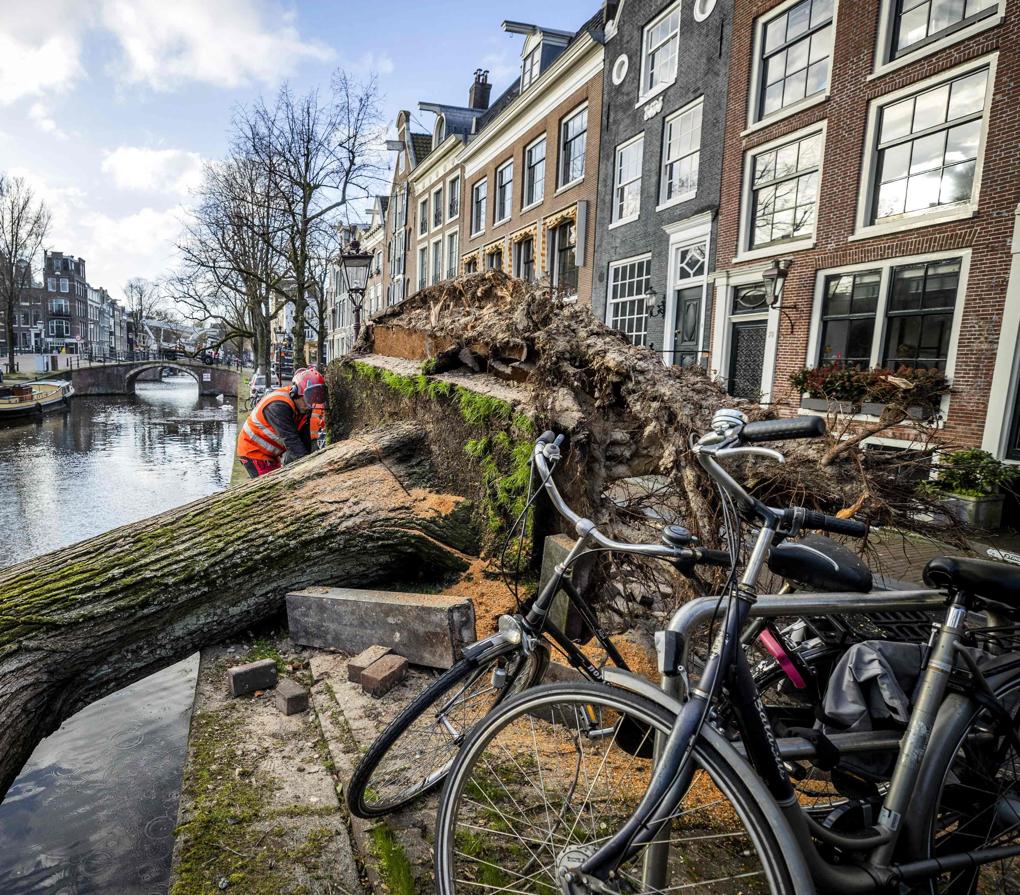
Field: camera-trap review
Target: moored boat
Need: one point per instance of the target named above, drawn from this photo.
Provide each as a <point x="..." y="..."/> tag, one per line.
<point x="33" y="398"/>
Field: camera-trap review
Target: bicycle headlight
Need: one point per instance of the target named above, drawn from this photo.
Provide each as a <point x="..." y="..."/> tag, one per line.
<point x="510" y="628"/>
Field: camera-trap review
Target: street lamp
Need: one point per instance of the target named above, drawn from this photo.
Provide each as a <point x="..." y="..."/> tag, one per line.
<point x="654" y="306"/>
<point x="355" y="265"/>
<point x="775" y="280"/>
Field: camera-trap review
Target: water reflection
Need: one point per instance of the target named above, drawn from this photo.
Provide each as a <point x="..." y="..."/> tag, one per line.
<point x="94" y="809"/>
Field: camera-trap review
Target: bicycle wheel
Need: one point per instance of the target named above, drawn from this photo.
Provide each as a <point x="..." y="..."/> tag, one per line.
<point x="412" y="755"/>
<point x="556" y="771"/>
<point x="973" y="770"/>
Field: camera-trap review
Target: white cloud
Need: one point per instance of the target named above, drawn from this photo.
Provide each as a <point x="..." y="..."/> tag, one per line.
<point x="39" y="114"/>
<point x="154" y="170"/>
<point x="227" y="43"/>
<point x="368" y="64"/>
<point x="33" y="64"/>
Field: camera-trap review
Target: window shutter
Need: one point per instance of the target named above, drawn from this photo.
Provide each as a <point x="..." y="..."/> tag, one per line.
<point x="581" y="233"/>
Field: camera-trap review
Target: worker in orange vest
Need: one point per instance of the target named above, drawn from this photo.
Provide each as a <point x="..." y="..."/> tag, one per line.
<point x="280" y="424"/>
<point x="317" y="420"/>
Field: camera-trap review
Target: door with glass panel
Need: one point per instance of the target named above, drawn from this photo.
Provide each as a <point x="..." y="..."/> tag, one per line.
<point x="748" y="330"/>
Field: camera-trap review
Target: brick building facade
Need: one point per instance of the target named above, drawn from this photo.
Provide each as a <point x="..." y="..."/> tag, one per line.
<point x="874" y="147"/>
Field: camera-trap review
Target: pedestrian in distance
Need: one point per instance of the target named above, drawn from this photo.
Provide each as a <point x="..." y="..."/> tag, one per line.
<point x="280" y="424"/>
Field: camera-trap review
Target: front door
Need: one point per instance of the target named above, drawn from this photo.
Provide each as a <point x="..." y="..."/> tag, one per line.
<point x="747" y="357"/>
<point x="685" y="331"/>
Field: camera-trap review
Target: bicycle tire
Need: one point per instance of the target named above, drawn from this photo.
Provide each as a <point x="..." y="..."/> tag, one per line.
<point x="538" y="703"/>
<point x="359" y="798"/>
<point x="958" y="715"/>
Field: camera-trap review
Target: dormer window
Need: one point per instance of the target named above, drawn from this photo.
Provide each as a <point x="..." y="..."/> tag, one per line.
<point x="530" y="68"/>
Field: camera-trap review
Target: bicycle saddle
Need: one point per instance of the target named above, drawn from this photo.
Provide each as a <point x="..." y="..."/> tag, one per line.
<point x="995" y="582"/>
<point x="819" y="562"/>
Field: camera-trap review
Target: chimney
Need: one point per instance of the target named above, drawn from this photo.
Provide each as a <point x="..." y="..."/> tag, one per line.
<point x="478" y="96"/>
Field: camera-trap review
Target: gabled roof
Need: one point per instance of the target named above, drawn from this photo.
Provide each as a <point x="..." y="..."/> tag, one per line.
<point x="421" y="145"/>
<point x="458" y="119"/>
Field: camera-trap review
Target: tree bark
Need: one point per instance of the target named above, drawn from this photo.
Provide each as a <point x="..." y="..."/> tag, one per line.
<point x="84" y="621"/>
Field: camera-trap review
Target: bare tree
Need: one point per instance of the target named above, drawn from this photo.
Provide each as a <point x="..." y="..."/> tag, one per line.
<point x="317" y="156"/>
<point x="24" y="223"/>
<point x="143" y="299"/>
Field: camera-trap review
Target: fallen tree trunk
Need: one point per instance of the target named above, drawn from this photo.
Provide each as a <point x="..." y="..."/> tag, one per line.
<point x="81" y="622"/>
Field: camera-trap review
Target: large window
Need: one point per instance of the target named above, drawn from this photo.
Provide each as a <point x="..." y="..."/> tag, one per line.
<point x="922" y="299"/>
<point x="437" y="207"/>
<point x="479" y="194"/>
<point x="530" y="68"/>
<point x="504" y="192"/>
<point x="628" y="283"/>
<point x="784" y="191"/>
<point x="423" y="267"/>
<point x="627" y="180"/>
<point x="524" y="259"/>
<point x="564" y="246"/>
<point x="453" y="195"/>
<point x="795" y="50"/>
<point x="423" y="216"/>
<point x="494" y="258"/>
<point x="60" y="328"/>
<point x="928" y="146"/>
<point x="452" y="249"/>
<point x="65" y="285"/>
<point x="849" y="305"/>
<point x="659" y="54"/>
<point x="920" y="22"/>
<point x="681" y="155"/>
<point x="573" y="139"/>
<point x="437" y="261"/>
<point x="534" y="172"/>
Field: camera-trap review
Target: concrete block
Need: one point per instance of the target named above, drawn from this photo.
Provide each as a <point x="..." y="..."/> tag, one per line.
<point x="291" y="697"/>
<point x="554" y="551"/>
<point x="365" y="658"/>
<point x="426" y="629"/>
<point x="383" y="675"/>
<point x="244" y="679"/>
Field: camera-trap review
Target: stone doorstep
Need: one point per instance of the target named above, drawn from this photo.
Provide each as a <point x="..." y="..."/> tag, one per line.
<point x="383" y="675"/>
<point x="361" y="661"/>
<point x="245" y="679"/>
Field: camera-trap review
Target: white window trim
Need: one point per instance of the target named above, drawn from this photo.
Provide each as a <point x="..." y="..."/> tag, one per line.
<point x="690" y="194"/>
<point x="754" y="123"/>
<point x="460" y="196"/>
<point x="428" y="222"/>
<point x="437" y="241"/>
<point x="721" y="330"/>
<point x="485" y="207"/>
<point x="924" y="218"/>
<point x="507" y="164"/>
<point x="780" y="248"/>
<point x="626" y="144"/>
<point x="884" y="64"/>
<point x="644" y="97"/>
<point x="573" y="113"/>
<point x="886" y="265"/>
<point x="441" y="190"/>
<point x="524" y="173"/>
<point x="684" y="234"/>
<point x="621" y="262"/>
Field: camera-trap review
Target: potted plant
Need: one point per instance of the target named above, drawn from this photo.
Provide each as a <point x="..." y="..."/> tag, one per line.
<point x="970" y="483"/>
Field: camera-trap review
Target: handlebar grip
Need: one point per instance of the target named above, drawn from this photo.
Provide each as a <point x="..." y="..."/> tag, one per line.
<point x="709" y="557"/>
<point x="546" y="437"/>
<point x="784" y="429"/>
<point x="833" y="524"/>
<point x="559" y="440"/>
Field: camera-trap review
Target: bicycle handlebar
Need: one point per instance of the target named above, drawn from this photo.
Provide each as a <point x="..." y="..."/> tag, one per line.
<point x="784" y="429"/>
<point x="798" y="518"/>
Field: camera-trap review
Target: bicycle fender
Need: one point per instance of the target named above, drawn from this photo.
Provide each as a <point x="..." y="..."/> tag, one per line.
<point x="796" y="862"/>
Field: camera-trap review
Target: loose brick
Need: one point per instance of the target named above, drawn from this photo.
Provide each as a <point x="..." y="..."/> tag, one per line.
<point x="383" y="675"/>
<point x="365" y="658"/>
<point x="245" y="679"/>
<point x="291" y="697"/>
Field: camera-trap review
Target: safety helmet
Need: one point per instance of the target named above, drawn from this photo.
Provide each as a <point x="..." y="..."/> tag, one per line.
<point x="310" y="385"/>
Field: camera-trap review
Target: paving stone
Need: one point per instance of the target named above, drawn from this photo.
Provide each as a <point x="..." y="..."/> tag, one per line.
<point x="365" y="658"/>
<point x="427" y="629"/>
<point x="245" y="679"/>
<point x="291" y="697"/>
<point x="383" y="675"/>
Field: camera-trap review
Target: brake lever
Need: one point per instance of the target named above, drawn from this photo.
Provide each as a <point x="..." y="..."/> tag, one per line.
<point x="723" y="453"/>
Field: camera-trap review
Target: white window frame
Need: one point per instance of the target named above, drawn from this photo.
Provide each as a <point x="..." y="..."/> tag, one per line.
<point x="682" y="235"/>
<point x="615" y="265"/>
<point x="884" y="63"/>
<point x="676" y="116"/>
<point x="484" y="182"/>
<point x="561" y="146"/>
<point x="423" y="266"/>
<point x="757" y="71"/>
<point x="525" y="204"/>
<point x="531" y="66"/>
<point x="456" y="179"/>
<point x="51" y="284"/>
<point x="869" y="162"/>
<point x="639" y="140"/>
<point x="747" y="224"/>
<point x="508" y="165"/>
<point x="423" y="218"/>
<point x="436" y="271"/>
<point x="65" y="285"/>
<point x="645" y="93"/>
<point x="886" y="265"/>
<point x="438" y="191"/>
<point x="452" y="243"/>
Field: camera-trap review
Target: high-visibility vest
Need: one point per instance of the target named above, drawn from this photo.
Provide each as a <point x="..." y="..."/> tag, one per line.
<point x="317" y="421"/>
<point x="258" y="440"/>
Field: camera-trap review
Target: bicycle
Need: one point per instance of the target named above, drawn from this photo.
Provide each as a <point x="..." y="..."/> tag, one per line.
<point x="547" y="795"/>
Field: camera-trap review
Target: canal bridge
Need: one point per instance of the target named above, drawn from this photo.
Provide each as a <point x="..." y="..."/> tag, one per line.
<point x="119" y="378"/>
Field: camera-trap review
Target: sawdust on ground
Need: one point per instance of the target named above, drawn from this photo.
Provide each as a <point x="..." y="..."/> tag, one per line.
<point x="490" y="596"/>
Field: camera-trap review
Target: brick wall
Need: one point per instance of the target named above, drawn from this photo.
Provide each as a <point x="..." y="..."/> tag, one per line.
<point x="846" y="109"/>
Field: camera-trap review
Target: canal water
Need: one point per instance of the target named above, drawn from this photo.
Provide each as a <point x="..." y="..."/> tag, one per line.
<point x="94" y="809"/>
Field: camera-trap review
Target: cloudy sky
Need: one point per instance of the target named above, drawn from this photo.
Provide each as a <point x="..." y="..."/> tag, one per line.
<point x="109" y="107"/>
